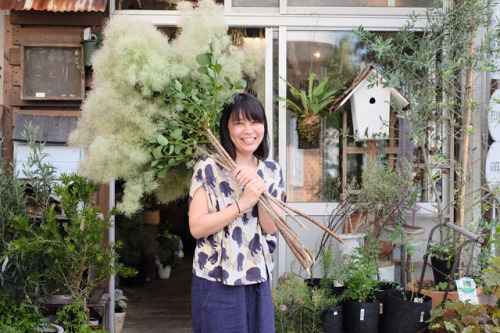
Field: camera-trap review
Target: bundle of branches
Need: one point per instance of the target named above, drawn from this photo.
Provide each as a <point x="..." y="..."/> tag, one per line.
<point x="192" y="132"/>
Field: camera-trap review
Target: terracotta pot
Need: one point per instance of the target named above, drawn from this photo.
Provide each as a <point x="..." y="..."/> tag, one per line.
<point x="437" y="296"/>
<point x="151" y="217"/>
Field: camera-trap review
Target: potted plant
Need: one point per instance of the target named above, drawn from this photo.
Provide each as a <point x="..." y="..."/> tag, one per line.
<point x="361" y="308"/>
<point x="461" y="316"/>
<point x="74" y="247"/>
<point x="91" y="43"/>
<point x="309" y="103"/>
<point x="406" y="311"/>
<point x="442" y="259"/>
<point x="151" y="209"/>
<point x="169" y="252"/>
<point x="120" y="306"/>
<point x="297" y="308"/>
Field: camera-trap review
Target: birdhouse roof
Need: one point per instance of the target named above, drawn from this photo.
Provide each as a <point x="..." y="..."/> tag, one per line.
<point x="358" y="82"/>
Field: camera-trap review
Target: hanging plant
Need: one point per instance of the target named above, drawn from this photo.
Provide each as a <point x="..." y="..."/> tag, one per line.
<point x="309" y="105"/>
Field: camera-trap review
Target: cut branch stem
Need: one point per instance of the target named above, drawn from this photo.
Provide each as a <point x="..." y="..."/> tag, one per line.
<point x="273" y="207"/>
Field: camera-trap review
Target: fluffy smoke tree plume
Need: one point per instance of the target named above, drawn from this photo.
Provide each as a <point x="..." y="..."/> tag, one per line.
<point x="124" y="108"/>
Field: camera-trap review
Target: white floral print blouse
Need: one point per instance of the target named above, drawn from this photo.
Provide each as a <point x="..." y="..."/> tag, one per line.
<point x="240" y="253"/>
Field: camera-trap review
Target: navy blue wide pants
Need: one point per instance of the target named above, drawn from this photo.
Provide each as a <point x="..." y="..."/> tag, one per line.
<point x="218" y="308"/>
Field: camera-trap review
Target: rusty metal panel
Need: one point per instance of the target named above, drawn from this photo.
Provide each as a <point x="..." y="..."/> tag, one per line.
<point x="55" y="5"/>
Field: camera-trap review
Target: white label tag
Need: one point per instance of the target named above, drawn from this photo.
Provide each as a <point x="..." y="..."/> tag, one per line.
<point x="362" y="315"/>
<point x="467" y="290"/>
<point x="40" y="94"/>
<point x="381" y="311"/>
<point x="335" y="313"/>
<point x="422" y="316"/>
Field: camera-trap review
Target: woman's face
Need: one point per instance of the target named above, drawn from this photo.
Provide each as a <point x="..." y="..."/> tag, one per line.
<point x="246" y="134"/>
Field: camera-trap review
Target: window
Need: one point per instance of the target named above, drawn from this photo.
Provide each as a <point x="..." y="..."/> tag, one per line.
<point x="52" y="72"/>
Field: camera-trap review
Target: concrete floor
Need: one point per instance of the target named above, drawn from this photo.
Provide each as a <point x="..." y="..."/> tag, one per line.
<point x="162" y="305"/>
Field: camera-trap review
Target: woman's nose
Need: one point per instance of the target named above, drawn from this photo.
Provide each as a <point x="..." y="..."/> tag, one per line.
<point x="247" y="127"/>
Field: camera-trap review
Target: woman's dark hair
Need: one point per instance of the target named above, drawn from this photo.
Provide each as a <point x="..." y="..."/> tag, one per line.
<point x="249" y="107"/>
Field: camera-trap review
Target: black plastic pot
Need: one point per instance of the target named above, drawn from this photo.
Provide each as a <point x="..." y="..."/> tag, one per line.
<point x="443" y="265"/>
<point x="381" y="295"/>
<point x="403" y="315"/>
<point x="337" y="291"/>
<point x="361" y="317"/>
<point x="313" y="282"/>
<point x="331" y="319"/>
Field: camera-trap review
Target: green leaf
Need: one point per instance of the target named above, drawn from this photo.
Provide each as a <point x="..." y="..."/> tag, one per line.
<point x="218" y="68"/>
<point x="157" y="152"/>
<point x="178" y="85"/>
<point x="162" y="173"/>
<point x="240" y="84"/>
<point x="203" y="59"/>
<point x="177" y="133"/>
<point x="162" y="140"/>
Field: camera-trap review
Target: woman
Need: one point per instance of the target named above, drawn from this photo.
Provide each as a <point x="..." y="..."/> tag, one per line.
<point x="235" y="237"/>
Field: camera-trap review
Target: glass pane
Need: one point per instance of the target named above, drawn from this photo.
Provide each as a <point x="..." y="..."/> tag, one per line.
<point x="255" y="3"/>
<point x="152" y="4"/>
<point x="360" y="3"/>
<point x="314" y="167"/>
<point x="339" y="3"/>
<point x="414" y="3"/>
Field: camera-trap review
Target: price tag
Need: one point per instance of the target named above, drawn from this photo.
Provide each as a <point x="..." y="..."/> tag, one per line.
<point x="467" y="290"/>
<point x="362" y="315"/>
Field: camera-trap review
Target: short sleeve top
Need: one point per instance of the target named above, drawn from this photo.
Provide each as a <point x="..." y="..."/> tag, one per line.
<point x="240" y="253"/>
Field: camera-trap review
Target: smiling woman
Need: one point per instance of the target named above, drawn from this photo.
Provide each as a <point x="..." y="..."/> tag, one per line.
<point x="235" y="235"/>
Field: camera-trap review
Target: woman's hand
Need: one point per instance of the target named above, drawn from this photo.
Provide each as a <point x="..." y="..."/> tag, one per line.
<point x="254" y="186"/>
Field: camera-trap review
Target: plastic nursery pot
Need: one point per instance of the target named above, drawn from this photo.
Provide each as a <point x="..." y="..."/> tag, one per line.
<point x="313" y="282"/>
<point x="441" y="265"/>
<point x="361" y="317"/>
<point x="331" y="319"/>
<point x="403" y="314"/>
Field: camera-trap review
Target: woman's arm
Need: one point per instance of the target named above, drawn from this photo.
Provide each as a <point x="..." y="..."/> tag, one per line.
<point x="202" y="223"/>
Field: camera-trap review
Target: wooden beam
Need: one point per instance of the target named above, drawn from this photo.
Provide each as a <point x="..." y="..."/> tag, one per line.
<point x="33" y="17"/>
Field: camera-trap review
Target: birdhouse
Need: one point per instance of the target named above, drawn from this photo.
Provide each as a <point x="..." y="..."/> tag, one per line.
<point x="370" y="106"/>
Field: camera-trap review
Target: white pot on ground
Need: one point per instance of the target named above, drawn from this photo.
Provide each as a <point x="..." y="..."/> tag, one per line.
<point x="164" y="271"/>
<point x="119" y="320"/>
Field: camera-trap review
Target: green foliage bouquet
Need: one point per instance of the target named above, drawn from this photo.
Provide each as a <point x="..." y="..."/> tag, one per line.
<point x="136" y="101"/>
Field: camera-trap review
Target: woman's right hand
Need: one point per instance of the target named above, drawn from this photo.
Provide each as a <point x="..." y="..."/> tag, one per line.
<point x="253" y="185"/>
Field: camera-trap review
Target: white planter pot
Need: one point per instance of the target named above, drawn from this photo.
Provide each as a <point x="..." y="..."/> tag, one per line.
<point x="413" y="236"/>
<point x="119" y="320"/>
<point x="386" y="270"/>
<point x="164" y="271"/>
<point x="351" y="241"/>
<point x="52" y="328"/>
